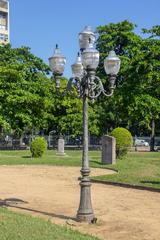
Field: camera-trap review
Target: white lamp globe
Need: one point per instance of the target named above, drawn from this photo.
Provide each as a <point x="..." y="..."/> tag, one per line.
<point x="112" y="63"/>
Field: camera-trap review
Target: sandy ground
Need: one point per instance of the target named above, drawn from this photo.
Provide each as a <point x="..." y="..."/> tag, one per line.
<point x="53" y="193"/>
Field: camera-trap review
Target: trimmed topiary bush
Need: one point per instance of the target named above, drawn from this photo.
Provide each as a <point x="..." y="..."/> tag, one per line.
<point x="38" y="147"/>
<point x="123" y="141"/>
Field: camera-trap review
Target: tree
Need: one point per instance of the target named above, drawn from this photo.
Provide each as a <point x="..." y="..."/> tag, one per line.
<point x="24" y="89"/>
<point x="145" y="104"/>
<point x="152" y="76"/>
<point x="138" y="83"/>
<point x="121" y="38"/>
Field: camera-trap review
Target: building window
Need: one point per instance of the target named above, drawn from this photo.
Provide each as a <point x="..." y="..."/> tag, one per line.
<point x="2" y="15"/>
<point x="3" y="37"/>
<point x="2" y="27"/>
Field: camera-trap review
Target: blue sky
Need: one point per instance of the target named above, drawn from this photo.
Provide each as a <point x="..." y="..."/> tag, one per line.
<point x="41" y="24"/>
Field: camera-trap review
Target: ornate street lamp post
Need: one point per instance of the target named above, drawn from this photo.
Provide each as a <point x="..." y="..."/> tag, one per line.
<point x="88" y="85"/>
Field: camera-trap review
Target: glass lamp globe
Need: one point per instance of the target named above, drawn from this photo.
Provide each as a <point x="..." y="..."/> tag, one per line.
<point x="84" y="37"/>
<point x="77" y="67"/>
<point x="57" y="62"/>
<point x="112" y="63"/>
<point x="90" y="57"/>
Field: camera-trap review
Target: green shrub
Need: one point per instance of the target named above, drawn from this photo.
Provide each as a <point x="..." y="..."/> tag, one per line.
<point x="123" y="141"/>
<point x="38" y="147"/>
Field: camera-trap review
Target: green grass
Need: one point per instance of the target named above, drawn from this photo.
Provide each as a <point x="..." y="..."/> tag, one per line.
<point x="15" y="226"/>
<point x="138" y="168"/>
<point x="72" y="158"/>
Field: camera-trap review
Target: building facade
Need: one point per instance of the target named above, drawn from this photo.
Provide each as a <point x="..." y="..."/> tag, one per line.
<point x="4" y="21"/>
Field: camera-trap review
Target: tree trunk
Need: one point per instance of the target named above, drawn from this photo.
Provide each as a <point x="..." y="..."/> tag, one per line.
<point x="152" y="141"/>
<point x="1" y="129"/>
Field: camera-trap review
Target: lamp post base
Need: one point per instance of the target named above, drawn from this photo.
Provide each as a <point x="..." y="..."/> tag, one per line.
<point x="85" y="211"/>
<point x="85" y="218"/>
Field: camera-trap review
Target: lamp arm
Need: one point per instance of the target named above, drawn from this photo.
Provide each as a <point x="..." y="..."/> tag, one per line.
<point x="68" y="88"/>
<point x="112" y="79"/>
<point x="96" y="88"/>
<point x="73" y="82"/>
<point x="108" y="95"/>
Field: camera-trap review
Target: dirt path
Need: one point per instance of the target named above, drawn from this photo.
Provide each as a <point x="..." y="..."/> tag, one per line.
<point x="53" y="193"/>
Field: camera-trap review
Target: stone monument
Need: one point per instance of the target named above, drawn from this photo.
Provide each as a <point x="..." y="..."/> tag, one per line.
<point x="60" y="146"/>
<point x="108" y="150"/>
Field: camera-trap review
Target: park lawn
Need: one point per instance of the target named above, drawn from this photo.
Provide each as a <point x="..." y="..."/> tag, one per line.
<point x="138" y="168"/>
<point x="71" y="158"/>
<point x="14" y="226"/>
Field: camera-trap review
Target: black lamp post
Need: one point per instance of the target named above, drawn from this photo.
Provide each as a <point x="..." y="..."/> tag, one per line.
<point x="88" y="85"/>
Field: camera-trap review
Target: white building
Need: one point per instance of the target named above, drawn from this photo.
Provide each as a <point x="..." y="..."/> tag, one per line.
<point x="4" y="21"/>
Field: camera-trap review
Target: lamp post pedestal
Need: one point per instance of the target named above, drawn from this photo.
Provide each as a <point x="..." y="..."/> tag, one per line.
<point x="85" y="211"/>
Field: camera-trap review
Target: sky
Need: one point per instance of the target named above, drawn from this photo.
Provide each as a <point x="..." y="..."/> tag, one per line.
<point x="41" y="24"/>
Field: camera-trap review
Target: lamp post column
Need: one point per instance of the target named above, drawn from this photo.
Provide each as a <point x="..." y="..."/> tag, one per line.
<point x="85" y="211"/>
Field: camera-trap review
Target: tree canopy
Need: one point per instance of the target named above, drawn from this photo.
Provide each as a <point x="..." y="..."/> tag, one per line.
<point x="137" y="97"/>
<point x="28" y="99"/>
<point x="24" y="88"/>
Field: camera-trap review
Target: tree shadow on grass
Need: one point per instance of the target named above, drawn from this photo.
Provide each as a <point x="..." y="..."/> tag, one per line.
<point x="152" y="182"/>
<point x="104" y="165"/>
<point x="27" y="156"/>
<point x="14" y="203"/>
<point x="94" y="161"/>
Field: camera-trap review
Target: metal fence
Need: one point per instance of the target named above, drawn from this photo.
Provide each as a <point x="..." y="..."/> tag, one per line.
<point x="74" y="142"/>
<point x="15" y="143"/>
